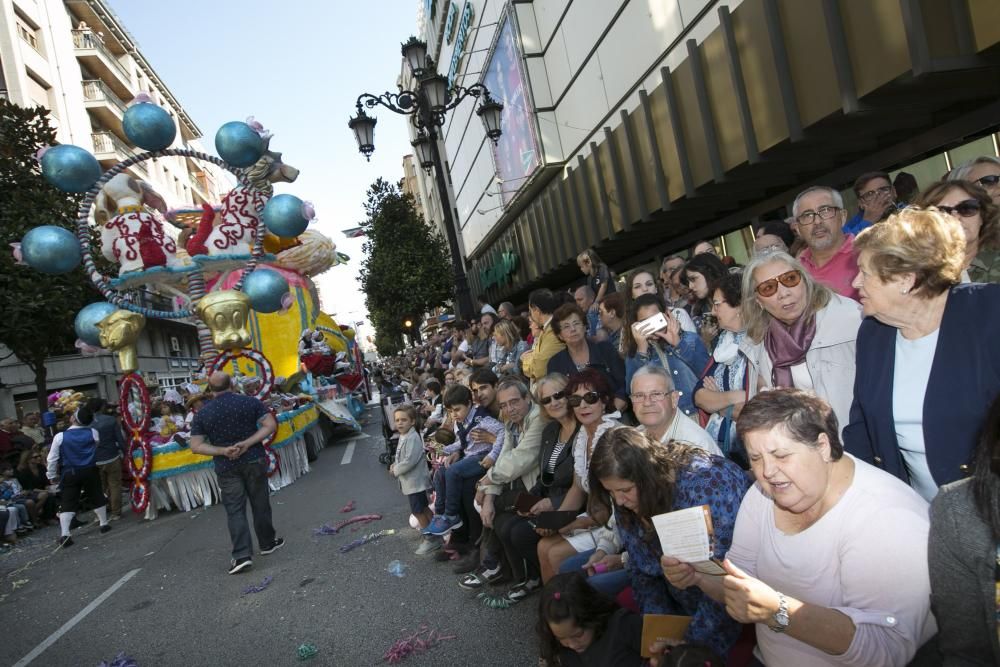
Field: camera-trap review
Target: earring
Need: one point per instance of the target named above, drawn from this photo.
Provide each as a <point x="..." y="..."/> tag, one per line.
<point x="904" y="291"/>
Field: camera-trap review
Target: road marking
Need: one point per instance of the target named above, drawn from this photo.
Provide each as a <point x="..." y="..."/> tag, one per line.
<point x="54" y="637"/>
<point x="348" y="454"/>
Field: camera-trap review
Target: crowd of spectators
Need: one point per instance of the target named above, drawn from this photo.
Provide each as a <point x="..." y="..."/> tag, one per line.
<point x="832" y="405"/>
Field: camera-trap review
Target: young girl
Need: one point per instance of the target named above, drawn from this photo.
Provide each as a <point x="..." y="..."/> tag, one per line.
<point x="580" y="627"/>
<point x="410" y="468"/>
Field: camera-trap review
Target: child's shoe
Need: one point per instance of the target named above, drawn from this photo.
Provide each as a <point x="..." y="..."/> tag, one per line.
<point x="442" y="525"/>
<point x="428" y="545"/>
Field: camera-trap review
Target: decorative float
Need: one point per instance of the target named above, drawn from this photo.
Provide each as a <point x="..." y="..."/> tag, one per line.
<point x="241" y="271"/>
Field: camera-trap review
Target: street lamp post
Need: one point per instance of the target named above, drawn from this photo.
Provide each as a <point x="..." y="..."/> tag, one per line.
<point x="426" y="106"/>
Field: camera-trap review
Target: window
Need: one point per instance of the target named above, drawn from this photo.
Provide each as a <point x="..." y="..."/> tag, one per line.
<point x="27" y="33"/>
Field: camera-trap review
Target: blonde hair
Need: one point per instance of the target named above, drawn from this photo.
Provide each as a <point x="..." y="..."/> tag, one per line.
<point x="924" y="242"/>
<point x="755" y="317"/>
<point x="551" y="378"/>
<point x="508" y="330"/>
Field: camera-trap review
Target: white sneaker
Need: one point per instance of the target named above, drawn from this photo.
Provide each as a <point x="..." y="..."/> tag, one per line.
<point x="428" y="545"/>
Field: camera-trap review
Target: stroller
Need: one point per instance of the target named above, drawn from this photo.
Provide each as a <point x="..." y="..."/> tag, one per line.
<point x="389" y="435"/>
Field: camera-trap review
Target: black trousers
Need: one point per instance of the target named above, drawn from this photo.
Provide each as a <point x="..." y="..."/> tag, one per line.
<point x="519" y="541"/>
<point x="80" y="480"/>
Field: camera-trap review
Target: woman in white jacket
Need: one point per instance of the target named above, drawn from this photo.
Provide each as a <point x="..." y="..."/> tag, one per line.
<point x="799" y="333"/>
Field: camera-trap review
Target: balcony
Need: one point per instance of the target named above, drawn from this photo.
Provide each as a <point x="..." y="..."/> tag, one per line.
<point x="93" y="53"/>
<point x="109" y="149"/>
<point x="103" y="103"/>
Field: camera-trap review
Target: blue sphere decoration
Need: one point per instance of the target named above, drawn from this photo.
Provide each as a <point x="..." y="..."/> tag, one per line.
<point x="70" y="168"/>
<point x="149" y="126"/>
<point x="282" y="215"/>
<point x="238" y="144"/>
<point x="265" y="289"/>
<point x="86" y="321"/>
<point x="51" y="249"/>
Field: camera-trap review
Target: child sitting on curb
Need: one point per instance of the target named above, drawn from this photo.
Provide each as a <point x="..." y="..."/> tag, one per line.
<point x="410" y="468"/>
<point x="471" y="424"/>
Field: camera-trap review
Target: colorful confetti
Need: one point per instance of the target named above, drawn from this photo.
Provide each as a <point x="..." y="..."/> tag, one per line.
<point x="259" y="587"/>
<point x="327" y="529"/>
<point x="349" y="507"/>
<point x="420" y="641"/>
<point x="495" y="601"/>
<point x="370" y="537"/>
<point x="121" y="660"/>
<point x="306" y="651"/>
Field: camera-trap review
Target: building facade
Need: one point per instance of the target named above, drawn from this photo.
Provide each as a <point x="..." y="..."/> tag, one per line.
<point x="76" y="59"/>
<point x="638" y="128"/>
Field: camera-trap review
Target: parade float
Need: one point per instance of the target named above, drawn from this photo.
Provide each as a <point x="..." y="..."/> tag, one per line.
<point x="241" y="271"/>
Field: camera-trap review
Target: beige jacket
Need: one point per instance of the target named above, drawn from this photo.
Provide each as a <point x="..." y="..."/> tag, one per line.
<point x="535" y="361"/>
<point x="520" y="461"/>
<point x="830" y="358"/>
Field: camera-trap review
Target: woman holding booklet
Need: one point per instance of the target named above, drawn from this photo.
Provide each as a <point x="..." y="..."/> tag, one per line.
<point x="641" y="479"/>
<point x="829" y="556"/>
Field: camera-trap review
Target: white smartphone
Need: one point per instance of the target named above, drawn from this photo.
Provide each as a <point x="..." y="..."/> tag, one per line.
<point x="651" y="325"/>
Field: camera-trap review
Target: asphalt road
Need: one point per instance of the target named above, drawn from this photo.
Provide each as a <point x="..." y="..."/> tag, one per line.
<point x="159" y="591"/>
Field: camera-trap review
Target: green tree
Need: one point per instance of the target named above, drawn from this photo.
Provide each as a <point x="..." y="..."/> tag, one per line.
<point x="38" y="309"/>
<point x="406" y="271"/>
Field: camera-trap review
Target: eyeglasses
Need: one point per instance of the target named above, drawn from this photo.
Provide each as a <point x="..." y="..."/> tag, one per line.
<point x="558" y="396"/>
<point x="989" y="181"/>
<point x="589" y="398"/>
<point x="964" y="209"/>
<point x="807" y="218"/>
<point x="871" y="194"/>
<point x="770" y="287"/>
<point x="654" y="396"/>
<point x="572" y="325"/>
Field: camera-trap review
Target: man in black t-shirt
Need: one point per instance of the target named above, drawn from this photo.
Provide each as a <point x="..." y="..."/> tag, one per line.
<point x="234" y="427"/>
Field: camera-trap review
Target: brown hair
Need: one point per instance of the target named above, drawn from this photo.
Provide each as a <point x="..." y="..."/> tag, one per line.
<point x="989" y="234"/>
<point x="924" y="242"/>
<point x="564" y="312"/>
<point x="862" y="180"/>
<point x="407" y="409"/>
<point x="614" y="302"/>
<point x="802" y="414"/>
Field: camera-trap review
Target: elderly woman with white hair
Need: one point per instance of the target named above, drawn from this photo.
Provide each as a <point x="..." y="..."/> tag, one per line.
<point x="799" y="333"/>
<point x="928" y="360"/>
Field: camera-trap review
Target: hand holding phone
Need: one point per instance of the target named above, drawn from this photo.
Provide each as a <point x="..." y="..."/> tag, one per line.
<point x="651" y="325"/>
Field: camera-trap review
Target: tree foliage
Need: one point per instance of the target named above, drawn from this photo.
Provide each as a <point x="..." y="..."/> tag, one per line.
<point x="38" y="309"/>
<point x="406" y="271"/>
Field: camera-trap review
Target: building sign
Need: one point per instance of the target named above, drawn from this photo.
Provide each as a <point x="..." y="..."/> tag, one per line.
<point x="516" y="154"/>
<point x="450" y="23"/>
<point x="500" y="271"/>
<point x="430" y="8"/>
<point x="468" y="13"/>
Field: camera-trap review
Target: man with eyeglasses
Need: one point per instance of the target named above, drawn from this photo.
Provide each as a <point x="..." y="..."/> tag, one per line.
<point x="876" y="201"/>
<point x="819" y="220"/>
<point x="654" y="401"/>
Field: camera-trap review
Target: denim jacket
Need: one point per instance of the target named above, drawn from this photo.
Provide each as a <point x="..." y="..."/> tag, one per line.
<point x="686" y="362"/>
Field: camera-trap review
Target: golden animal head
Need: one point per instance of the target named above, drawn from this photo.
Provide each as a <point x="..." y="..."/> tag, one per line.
<point x="226" y="312"/>
<point x="119" y="332"/>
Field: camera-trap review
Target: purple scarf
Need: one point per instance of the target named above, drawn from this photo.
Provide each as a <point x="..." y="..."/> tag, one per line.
<point x="787" y="347"/>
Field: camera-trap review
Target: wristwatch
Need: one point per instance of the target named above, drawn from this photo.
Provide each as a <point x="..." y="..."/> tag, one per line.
<point x="780" y="617"/>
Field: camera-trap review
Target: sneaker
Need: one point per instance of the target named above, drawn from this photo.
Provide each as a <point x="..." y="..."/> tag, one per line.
<point x="427" y="545"/>
<point x="481" y="577"/>
<point x="115" y="517"/>
<point x="523" y="589"/>
<point x="240" y="564"/>
<point x="467" y="563"/>
<point x="278" y="543"/>
<point x="106" y="528"/>
<point x="64" y="541"/>
<point x="442" y="525"/>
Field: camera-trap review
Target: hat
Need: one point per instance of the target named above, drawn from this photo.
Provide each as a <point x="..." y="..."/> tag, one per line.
<point x="194" y="398"/>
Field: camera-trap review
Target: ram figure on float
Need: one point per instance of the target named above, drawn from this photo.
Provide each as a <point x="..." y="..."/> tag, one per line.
<point x="131" y="235"/>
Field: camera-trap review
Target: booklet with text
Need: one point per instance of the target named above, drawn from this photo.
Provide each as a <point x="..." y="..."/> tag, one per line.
<point x="687" y="535"/>
<point x="662" y="626"/>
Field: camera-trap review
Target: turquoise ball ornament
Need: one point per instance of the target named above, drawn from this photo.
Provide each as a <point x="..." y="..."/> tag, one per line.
<point x="283" y="216"/>
<point x="86" y="321"/>
<point x="238" y="144"/>
<point x="51" y="249"/>
<point x="149" y="126"/>
<point x="70" y="168"/>
<point x="266" y="289"/>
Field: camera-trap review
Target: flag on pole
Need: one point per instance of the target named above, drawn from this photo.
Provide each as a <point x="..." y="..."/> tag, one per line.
<point x="354" y="232"/>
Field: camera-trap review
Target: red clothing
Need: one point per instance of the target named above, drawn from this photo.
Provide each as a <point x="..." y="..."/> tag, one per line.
<point x="839" y="272"/>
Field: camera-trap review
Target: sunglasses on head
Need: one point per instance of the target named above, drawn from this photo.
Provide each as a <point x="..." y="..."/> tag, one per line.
<point x="559" y="395"/>
<point x="589" y="398"/>
<point x="770" y="287"/>
<point x="963" y="209"/>
<point x="989" y="181"/>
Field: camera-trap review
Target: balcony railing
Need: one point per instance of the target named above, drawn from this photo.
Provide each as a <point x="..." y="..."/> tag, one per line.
<point x="87" y="39"/>
<point x="95" y="90"/>
<point x="107" y="142"/>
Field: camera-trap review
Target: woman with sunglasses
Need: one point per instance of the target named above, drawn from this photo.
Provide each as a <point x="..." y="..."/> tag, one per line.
<point x="517" y="533"/>
<point x="984" y="171"/>
<point x="928" y="360"/>
<point x="569" y="324"/>
<point x="799" y="332"/>
<point x="591" y="400"/>
<point x="972" y="206"/>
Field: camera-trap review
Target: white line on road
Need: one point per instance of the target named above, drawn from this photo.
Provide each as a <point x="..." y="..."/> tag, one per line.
<point x="348" y="454"/>
<point x="54" y="637"/>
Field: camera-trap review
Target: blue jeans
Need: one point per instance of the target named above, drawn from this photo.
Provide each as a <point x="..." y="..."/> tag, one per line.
<point x="609" y="583"/>
<point x="247" y="481"/>
<point x="448" y="486"/>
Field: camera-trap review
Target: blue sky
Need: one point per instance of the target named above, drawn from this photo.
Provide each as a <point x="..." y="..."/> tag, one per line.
<point x="298" y="66"/>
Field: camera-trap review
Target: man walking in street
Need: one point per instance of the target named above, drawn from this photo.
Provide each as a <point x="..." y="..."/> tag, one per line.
<point x="110" y="447"/>
<point x="234" y="427"/>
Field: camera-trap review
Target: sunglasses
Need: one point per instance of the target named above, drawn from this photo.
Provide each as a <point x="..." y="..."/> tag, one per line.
<point x="770" y="287"/>
<point x="558" y="396"/>
<point x="989" y="181"/>
<point x="963" y="209"/>
<point x="589" y="398"/>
